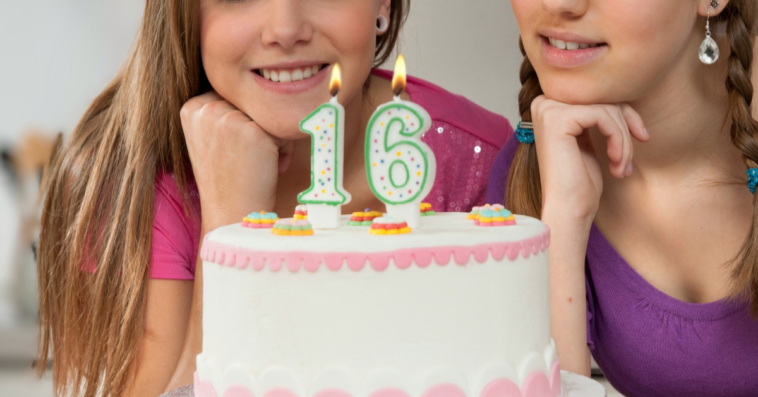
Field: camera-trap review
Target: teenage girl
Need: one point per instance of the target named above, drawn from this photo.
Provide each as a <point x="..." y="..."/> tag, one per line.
<point x="203" y="119"/>
<point x="637" y="161"/>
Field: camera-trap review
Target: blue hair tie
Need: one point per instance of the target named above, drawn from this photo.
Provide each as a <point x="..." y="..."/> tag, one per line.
<point x="752" y="179"/>
<point x="525" y="132"/>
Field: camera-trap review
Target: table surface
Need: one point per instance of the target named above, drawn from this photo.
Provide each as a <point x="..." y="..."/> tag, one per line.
<point x="572" y="385"/>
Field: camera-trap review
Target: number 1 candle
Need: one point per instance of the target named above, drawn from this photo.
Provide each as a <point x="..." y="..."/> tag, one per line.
<point x="400" y="168"/>
<point x="326" y="126"/>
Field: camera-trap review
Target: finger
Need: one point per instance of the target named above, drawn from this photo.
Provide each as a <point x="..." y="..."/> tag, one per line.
<point x="624" y="165"/>
<point x="589" y="117"/>
<point x="538" y="105"/>
<point x="199" y="101"/>
<point x="285" y="155"/>
<point x="599" y="117"/>
<point x="635" y="122"/>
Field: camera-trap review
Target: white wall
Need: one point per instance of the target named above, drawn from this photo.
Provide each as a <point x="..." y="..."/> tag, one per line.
<point x="55" y="57"/>
<point x="469" y="47"/>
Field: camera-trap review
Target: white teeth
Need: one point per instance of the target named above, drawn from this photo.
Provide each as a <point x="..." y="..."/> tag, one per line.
<point x="289" y="75"/>
<point x="569" y="45"/>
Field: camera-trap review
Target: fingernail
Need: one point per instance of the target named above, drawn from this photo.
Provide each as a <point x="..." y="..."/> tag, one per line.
<point x="647" y="134"/>
<point x="629" y="169"/>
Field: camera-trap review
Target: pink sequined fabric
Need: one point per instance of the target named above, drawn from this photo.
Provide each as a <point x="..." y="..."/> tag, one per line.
<point x="463" y="165"/>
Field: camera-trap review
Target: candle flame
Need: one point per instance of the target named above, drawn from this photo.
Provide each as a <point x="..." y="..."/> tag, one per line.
<point x="336" y="83"/>
<point x="398" y="79"/>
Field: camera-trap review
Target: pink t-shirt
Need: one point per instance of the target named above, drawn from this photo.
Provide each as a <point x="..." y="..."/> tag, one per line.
<point x="464" y="137"/>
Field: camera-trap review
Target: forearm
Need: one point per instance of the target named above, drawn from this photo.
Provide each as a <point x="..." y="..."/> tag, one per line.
<point x="568" y="305"/>
<point x="193" y="340"/>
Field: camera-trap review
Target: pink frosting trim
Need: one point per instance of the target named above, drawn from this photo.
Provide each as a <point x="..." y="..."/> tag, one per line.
<point x="242" y="258"/>
<point x="332" y="393"/>
<point x="238" y="391"/>
<point x="281" y="392"/>
<point x="444" y="390"/>
<point x="389" y="392"/>
<point x="535" y="385"/>
<point x="204" y="388"/>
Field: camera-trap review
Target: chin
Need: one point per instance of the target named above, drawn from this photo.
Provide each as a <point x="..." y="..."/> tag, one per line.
<point x="578" y="90"/>
<point x="283" y="125"/>
<point x="578" y="96"/>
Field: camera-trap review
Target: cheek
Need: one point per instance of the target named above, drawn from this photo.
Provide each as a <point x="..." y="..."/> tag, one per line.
<point x="225" y="39"/>
<point x="353" y="36"/>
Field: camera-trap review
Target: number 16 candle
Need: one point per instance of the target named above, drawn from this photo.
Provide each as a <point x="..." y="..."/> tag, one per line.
<point x="400" y="168"/>
<point x="326" y="126"/>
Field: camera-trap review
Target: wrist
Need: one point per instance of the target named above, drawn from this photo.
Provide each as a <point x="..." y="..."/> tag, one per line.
<point x="560" y="215"/>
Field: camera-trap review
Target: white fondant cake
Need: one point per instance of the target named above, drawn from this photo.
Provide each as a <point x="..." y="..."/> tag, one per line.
<point x="449" y="310"/>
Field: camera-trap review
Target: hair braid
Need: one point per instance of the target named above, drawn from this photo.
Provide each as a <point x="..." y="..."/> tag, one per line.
<point x="740" y="17"/>
<point x="524" y="192"/>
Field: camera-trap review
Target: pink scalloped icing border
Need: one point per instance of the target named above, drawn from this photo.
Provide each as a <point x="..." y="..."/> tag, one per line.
<point x="242" y="258"/>
<point x="535" y="385"/>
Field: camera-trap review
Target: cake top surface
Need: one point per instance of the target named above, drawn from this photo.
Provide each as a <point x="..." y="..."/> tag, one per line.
<point x="442" y="230"/>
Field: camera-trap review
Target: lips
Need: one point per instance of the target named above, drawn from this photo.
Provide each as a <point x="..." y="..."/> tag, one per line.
<point x="570" y="52"/>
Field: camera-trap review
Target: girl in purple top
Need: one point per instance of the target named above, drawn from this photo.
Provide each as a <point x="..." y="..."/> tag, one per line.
<point x="643" y="152"/>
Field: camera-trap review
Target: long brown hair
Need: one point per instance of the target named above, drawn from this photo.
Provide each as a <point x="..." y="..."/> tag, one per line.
<point x="524" y="192"/>
<point x="96" y="235"/>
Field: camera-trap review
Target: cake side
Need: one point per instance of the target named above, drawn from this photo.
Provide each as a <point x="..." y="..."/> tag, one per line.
<point x="413" y="320"/>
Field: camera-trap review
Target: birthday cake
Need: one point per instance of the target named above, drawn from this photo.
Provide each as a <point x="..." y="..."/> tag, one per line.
<point x="404" y="304"/>
<point x="454" y="308"/>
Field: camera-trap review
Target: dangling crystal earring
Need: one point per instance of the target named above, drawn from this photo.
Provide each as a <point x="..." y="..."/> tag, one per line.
<point x="709" y="50"/>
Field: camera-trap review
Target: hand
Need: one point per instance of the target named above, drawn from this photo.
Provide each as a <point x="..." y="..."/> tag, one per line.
<point x="570" y="173"/>
<point x="235" y="162"/>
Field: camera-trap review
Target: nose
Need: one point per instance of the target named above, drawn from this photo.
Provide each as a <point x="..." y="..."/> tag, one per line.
<point x="566" y="8"/>
<point x="286" y="24"/>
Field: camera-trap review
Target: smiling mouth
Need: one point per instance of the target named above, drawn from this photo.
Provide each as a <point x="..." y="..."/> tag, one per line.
<point x="570" y="45"/>
<point x="291" y="74"/>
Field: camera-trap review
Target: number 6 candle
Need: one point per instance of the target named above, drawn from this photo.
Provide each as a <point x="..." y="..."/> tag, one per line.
<point x="400" y="168"/>
<point x="326" y="126"/>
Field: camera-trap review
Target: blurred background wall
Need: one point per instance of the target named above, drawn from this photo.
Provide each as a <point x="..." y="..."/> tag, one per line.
<point x="57" y="55"/>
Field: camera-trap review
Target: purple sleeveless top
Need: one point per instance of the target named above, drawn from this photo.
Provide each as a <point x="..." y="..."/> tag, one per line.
<point x="647" y="343"/>
<point x="464" y="137"/>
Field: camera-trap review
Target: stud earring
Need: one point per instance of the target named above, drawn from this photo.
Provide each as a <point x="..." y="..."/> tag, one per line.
<point x="709" y="50"/>
<point x="382" y="24"/>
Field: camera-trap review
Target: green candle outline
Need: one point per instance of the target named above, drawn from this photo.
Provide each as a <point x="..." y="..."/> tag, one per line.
<point x="300" y="196"/>
<point x="387" y="149"/>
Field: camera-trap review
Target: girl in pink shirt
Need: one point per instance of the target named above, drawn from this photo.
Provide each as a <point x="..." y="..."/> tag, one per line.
<point x="203" y="119"/>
